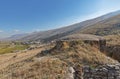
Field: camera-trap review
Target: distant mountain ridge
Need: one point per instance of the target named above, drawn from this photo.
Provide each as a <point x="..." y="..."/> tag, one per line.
<point x="85" y="27"/>
<point x="15" y="37"/>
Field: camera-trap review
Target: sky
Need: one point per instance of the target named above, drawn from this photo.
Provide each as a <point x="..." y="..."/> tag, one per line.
<point x="25" y="16"/>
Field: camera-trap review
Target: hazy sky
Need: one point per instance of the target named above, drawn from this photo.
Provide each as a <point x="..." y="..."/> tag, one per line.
<point x="19" y="16"/>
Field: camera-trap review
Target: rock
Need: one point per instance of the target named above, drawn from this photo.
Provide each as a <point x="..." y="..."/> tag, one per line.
<point x="102" y="72"/>
<point x="70" y="74"/>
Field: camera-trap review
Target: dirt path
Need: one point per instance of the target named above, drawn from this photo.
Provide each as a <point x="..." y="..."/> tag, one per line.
<point x="11" y="58"/>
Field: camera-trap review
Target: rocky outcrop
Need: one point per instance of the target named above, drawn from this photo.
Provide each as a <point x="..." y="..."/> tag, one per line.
<point x="93" y="40"/>
<point x="88" y="72"/>
<point x="70" y="74"/>
<point x="100" y="44"/>
<point x="63" y="44"/>
<point x="77" y="53"/>
<point x="113" y="51"/>
<point x="102" y="72"/>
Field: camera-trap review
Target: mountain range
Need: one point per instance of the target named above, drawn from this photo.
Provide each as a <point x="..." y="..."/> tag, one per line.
<point x="104" y="25"/>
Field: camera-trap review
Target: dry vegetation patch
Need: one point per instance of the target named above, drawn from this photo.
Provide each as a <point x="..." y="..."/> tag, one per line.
<point x="54" y="63"/>
<point x="113" y="39"/>
<point x="45" y="68"/>
<point x="78" y="52"/>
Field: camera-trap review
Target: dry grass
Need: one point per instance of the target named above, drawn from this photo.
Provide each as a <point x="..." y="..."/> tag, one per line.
<point x="79" y="53"/>
<point x="55" y="62"/>
<point x="45" y="68"/>
<point x="113" y="39"/>
<point x="25" y="67"/>
<point x="11" y="58"/>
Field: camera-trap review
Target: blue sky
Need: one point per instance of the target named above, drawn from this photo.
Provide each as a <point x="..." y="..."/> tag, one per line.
<point x="20" y="16"/>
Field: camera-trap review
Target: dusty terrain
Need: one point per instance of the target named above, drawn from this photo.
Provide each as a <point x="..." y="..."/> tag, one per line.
<point x="55" y="62"/>
<point x="11" y="58"/>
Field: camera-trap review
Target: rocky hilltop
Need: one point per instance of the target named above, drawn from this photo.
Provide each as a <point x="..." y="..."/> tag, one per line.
<point x="93" y="40"/>
<point x="84" y="56"/>
<point x="102" y="71"/>
<point x="72" y="57"/>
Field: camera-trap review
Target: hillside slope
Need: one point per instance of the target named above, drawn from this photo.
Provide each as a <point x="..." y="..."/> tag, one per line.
<point x="106" y="27"/>
<point x="103" y="25"/>
<point x="57" y="62"/>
